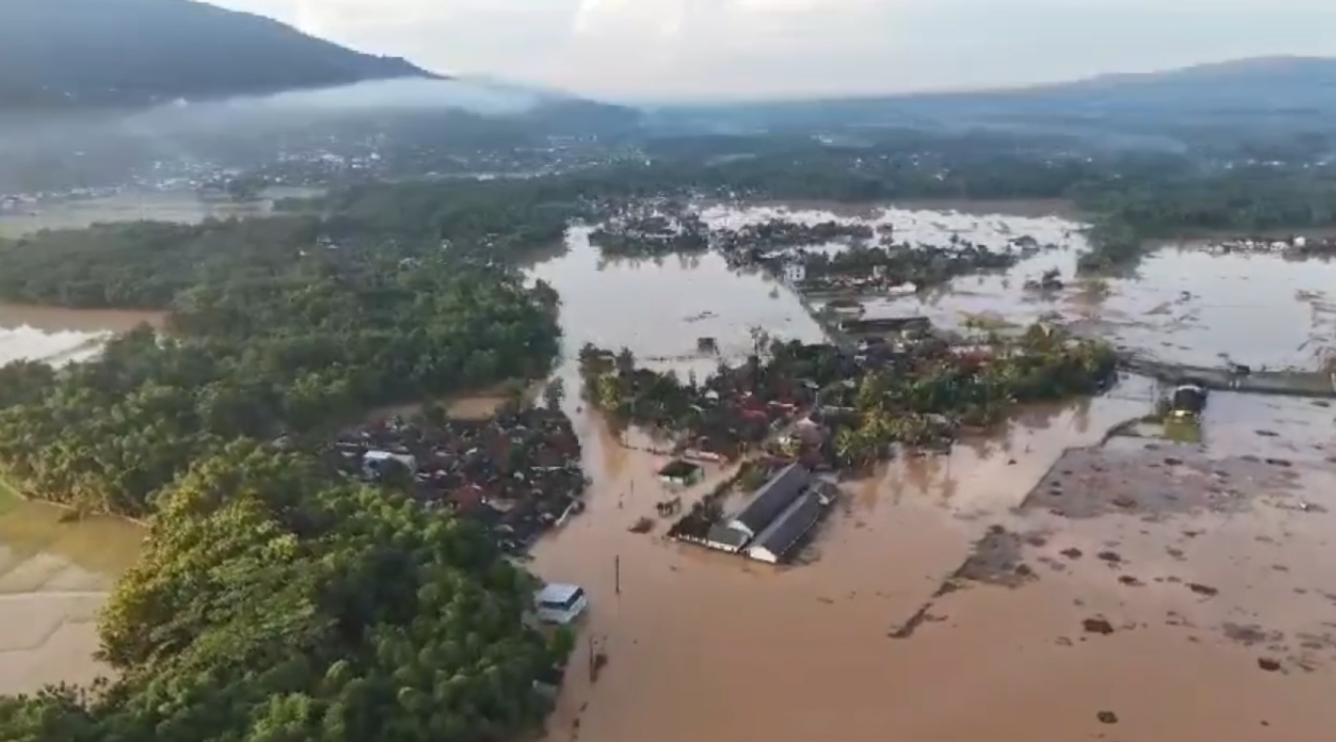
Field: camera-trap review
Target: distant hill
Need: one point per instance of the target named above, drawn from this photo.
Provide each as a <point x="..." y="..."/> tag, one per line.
<point x="92" y="53"/>
<point x="1259" y="82"/>
<point x="1294" y="93"/>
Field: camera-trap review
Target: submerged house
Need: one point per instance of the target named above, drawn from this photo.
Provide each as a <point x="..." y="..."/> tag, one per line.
<point x="785" y="532"/>
<point x="1188" y="400"/>
<point x="771" y="500"/>
<point x="774" y="520"/>
<point x="679" y="474"/>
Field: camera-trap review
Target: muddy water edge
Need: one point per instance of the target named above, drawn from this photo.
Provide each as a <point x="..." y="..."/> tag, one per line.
<point x="54" y="577"/>
<point x="54" y="574"/>
<point x="999" y="592"/>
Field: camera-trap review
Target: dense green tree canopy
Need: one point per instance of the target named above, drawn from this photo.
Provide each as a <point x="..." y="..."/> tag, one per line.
<point x="275" y="604"/>
<point x="262" y="353"/>
<point x="143" y="265"/>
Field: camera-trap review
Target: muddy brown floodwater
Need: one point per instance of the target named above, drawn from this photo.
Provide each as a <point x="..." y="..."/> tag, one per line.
<point x="61" y="335"/>
<point x="1209" y="617"/>
<point x="949" y="599"/>
<point x="54" y="577"/>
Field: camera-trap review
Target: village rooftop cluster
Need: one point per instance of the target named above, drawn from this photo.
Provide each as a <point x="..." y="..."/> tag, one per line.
<point x="517" y="473"/>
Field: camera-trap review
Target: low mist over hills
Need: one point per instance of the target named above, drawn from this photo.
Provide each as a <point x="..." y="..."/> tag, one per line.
<point x="84" y="53"/>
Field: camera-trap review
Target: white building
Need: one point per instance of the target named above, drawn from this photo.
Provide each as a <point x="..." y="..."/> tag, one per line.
<point x="795" y="272"/>
<point x="372" y="462"/>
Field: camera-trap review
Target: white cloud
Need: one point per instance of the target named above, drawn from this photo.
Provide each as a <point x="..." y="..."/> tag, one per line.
<point x="679" y="48"/>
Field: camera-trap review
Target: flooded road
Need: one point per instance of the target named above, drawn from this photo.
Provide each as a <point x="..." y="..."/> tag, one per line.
<point x="1218" y="615"/>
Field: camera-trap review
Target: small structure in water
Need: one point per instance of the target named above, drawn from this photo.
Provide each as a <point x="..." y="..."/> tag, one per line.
<point x="679" y="473"/>
<point x="1051" y="280"/>
<point x="879" y="325"/>
<point x="707" y="345"/>
<point x="1187" y="401"/>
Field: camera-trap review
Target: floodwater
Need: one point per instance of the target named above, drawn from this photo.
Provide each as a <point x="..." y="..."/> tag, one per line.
<point x="54" y="577"/>
<point x="1220" y="613"/>
<point x="1218" y="605"/>
<point x="60" y="335"/>
<point x="1183" y="304"/>
<point x="167" y="206"/>
<point x="53" y="574"/>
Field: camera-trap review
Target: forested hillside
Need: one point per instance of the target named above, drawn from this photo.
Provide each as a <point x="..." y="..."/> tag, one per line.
<point x="70" y="53"/>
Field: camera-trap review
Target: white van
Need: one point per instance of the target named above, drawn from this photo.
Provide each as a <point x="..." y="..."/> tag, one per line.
<point x="560" y="603"/>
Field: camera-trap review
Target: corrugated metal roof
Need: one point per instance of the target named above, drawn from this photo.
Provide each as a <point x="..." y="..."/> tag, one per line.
<point x="772" y="498"/>
<point x="723" y="537"/>
<point x="789" y="528"/>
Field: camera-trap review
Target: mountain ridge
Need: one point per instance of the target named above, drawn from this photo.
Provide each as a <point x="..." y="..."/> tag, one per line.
<point x="127" y="53"/>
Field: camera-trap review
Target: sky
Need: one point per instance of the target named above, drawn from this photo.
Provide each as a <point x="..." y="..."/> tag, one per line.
<point x="647" y="50"/>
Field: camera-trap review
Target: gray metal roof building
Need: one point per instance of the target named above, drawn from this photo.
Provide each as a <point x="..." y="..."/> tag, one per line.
<point x="771" y="500"/>
<point x="726" y="538"/>
<point x="779" y="538"/>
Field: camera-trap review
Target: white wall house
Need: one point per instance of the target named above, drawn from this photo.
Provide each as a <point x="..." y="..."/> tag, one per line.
<point x="795" y="272"/>
<point x="373" y="460"/>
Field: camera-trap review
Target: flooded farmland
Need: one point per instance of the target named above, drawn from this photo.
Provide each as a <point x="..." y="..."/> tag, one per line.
<point x="167" y="206"/>
<point x="61" y="335"/>
<point x="54" y="577"/>
<point x="1047" y="583"/>
<point x="946" y="600"/>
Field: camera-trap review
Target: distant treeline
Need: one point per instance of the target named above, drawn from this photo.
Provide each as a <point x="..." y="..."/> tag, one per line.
<point x="1130" y="197"/>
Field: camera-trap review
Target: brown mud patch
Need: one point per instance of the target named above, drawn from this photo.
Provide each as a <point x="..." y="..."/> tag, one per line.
<point x="478" y="405"/>
<point x="996" y="560"/>
<point x="1152" y="479"/>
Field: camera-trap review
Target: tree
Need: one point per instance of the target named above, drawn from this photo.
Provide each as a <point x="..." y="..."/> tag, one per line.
<point x="554" y="394"/>
<point x="275" y="603"/>
<point x="625" y="362"/>
<point x="299" y="352"/>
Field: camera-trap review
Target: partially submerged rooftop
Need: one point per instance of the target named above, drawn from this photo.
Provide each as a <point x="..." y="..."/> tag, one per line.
<point x="772" y="499"/>
<point x="678" y="469"/>
<point x="557" y="592"/>
<point x="778" y="540"/>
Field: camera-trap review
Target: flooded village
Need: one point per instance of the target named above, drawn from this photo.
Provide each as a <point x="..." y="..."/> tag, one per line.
<point x="960" y="519"/>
